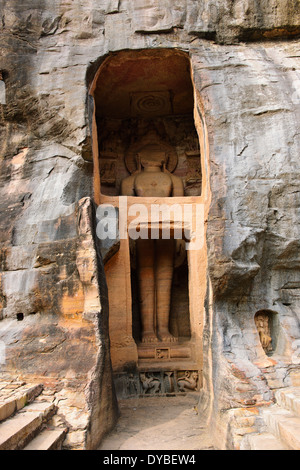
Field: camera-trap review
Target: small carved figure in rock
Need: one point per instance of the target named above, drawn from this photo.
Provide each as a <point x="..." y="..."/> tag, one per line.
<point x="150" y="383"/>
<point x="155" y="258"/>
<point x="263" y="328"/>
<point x="132" y="385"/>
<point x="108" y="172"/>
<point x="188" y="382"/>
<point x="162" y="353"/>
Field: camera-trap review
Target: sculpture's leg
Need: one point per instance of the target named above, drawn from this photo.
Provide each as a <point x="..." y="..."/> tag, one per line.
<point x="145" y="253"/>
<point x="164" y="275"/>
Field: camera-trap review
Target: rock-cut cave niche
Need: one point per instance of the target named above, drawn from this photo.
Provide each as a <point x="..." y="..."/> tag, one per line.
<point x="267" y="326"/>
<point x="144" y="110"/>
<point x="142" y="92"/>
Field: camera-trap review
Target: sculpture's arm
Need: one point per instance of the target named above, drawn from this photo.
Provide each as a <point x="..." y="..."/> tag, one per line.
<point x="178" y="188"/>
<point x="127" y="186"/>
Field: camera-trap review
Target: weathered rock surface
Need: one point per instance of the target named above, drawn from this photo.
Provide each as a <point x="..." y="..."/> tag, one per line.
<point x="53" y="301"/>
<point x="26" y="415"/>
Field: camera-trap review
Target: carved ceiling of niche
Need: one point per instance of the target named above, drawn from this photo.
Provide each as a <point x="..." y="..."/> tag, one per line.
<point x="144" y="84"/>
<point x="150" y="104"/>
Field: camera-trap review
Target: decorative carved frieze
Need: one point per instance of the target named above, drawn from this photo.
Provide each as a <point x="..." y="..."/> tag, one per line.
<point x="152" y="383"/>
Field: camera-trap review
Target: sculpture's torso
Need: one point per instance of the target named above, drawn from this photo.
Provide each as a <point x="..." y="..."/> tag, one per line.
<point x="153" y="184"/>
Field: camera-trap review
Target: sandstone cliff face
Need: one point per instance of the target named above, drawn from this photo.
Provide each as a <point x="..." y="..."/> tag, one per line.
<point x="249" y="93"/>
<point x="252" y="108"/>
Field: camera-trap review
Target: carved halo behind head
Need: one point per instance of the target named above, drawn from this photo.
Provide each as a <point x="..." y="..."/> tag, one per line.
<point x="155" y="145"/>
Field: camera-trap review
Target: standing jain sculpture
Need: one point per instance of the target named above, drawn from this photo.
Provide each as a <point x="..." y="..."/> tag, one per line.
<point x="155" y="258"/>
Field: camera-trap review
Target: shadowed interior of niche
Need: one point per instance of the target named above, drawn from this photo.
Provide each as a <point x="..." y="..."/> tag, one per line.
<point x="143" y="91"/>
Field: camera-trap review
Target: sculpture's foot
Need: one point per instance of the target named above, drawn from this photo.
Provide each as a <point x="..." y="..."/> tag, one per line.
<point x="166" y="337"/>
<point x="149" y="338"/>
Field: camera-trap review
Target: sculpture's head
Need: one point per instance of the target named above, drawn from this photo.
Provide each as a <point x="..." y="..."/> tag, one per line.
<point x="152" y="155"/>
<point x="260" y="319"/>
<point x="151" y="150"/>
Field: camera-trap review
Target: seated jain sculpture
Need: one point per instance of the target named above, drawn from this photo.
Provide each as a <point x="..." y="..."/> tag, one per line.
<point x="155" y="258"/>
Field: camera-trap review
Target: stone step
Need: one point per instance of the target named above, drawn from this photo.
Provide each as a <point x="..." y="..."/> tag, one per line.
<point x="17" y="400"/>
<point x="48" y="439"/>
<point x="284" y="425"/>
<point x="263" y="441"/>
<point x="289" y="399"/>
<point x="17" y="431"/>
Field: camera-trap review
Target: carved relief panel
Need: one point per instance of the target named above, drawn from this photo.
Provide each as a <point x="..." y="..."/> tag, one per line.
<point x="152" y="383"/>
<point x="119" y="142"/>
<point x="108" y="168"/>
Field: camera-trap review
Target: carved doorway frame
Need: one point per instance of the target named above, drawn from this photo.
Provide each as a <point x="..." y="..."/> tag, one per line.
<point x="120" y="263"/>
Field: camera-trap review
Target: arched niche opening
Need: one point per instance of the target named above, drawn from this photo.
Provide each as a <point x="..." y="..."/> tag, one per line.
<point x="267" y="325"/>
<point x="139" y="92"/>
<point x="144" y="105"/>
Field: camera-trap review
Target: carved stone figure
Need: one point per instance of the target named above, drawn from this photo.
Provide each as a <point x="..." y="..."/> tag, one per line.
<point x="188" y="382"/>
<point x="263" y="328"/>
<point x="108" y="172"/>
<point x="150" y="384"/>
<point x="162" y="353"/>
<point x="155" y="258"/>
<point x="132" y="385"/>
<point x="151" y="164"/>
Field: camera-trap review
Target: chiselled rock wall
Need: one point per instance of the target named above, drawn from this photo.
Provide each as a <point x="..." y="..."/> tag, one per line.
<point x="245" y="66"/>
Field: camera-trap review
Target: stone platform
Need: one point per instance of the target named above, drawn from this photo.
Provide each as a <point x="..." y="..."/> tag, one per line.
<point x="163" y="368"/>
<point x="165" y="352"/>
